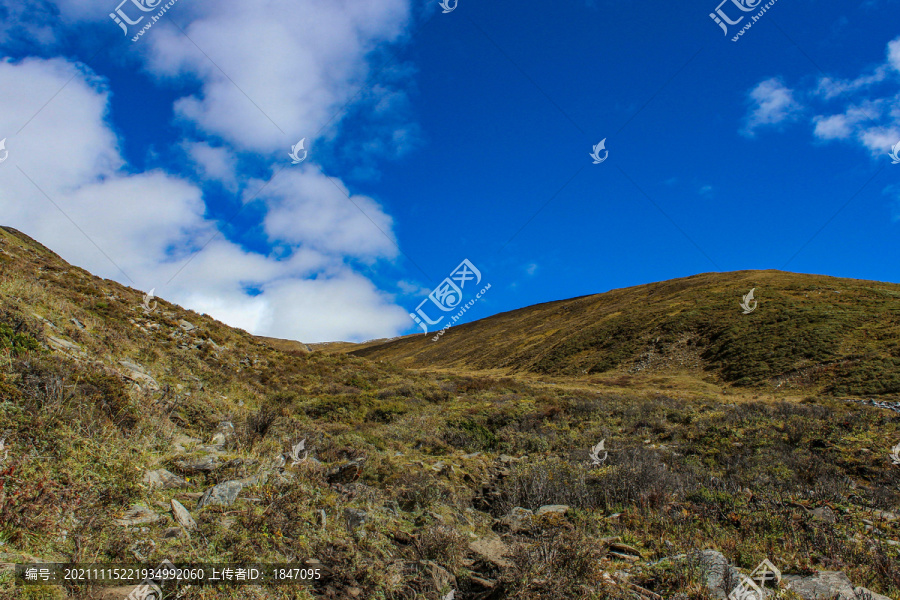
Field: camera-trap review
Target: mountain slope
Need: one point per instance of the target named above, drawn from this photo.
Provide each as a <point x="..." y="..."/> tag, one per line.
<point x="842" y="335"/>
<point x="410" y="484"/>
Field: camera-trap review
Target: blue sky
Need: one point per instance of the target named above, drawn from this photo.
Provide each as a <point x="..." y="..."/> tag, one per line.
<point x="163" y="163"/>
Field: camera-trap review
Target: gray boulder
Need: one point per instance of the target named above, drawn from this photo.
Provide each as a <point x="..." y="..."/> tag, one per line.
<point x="205" y="464"/>
<point x="182" y="516"/>
<point x="223" y="434"/>
<point x="556" y="509"/>
<point x="163" y="479"/>
<point x="223" y="494"/>
<point x="826" y="585"/>
<point x="517" y="519"/>
<point x="721" y="577"/>
<point x="137" y="514"/>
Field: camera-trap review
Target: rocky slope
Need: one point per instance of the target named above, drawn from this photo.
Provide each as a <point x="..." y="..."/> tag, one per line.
<point x="138" y="433"/>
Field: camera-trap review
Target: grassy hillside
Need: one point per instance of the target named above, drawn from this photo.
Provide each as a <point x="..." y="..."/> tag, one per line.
<point x="836" y="336"/>
<point x="423" y="477"/>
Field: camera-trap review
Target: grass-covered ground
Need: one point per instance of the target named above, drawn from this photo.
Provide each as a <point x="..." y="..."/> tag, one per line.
<point x="804" y="479"/>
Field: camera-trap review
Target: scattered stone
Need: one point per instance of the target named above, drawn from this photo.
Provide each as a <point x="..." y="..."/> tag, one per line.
<point x="138" y="514"/>
<point x="485" y="583"/>
<point x="823" y="513"/>
<point x="138" y="374"/>
<point x="132" y="366"/>
<point x="622" y="556"/>
<point x="625" y="549"/>
<point x="223" y="494"/>
<point x="182" y="442"/>
<point x="518" y="519"/>
<point x="77" y="323"/>
<point x="355" y="517"/>
<point x="557" y="509"/>
<point x="492" y="550"/>
<point x="173" y="533"/>
<point x="182" y="516"/>
<point x="64" y="345"/>
<point x="260" y="479"/>
<point x="887" y="516"/>
<point x="187" y="326"/>
<point x="114" y="593"/>
<point x="826" y="585"/>
<point x="224" y="433"/>
<point x="164" y="479"/>
<point x="204" y="464"/>
<point x="721" y="577"/>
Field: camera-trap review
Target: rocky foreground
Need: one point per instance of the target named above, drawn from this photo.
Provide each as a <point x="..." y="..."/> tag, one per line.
<point x="135" y="431"/>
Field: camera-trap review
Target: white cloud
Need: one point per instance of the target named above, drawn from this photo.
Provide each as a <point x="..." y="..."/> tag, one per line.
<point x="870" y="112"/>
<point x="306" y="207"/>
<point x="893" y="53"/>
<point x="832" y="88"/>
<point x="150" y="223"/>
<point x="771" y="103"/>
<point x="272" y="71"/>
<point x="873" y="122"/>
<point x="215" y="163"/>
<point x="880" y="139"/>
<point x="411" y="288"/>
<point x="842" y="126"/>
